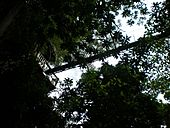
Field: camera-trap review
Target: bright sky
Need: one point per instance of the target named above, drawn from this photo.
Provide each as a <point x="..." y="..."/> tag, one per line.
<point x="134" y="31"/>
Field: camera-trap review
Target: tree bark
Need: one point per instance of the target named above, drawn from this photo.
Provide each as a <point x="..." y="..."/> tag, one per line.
<point x="11" y="14"/>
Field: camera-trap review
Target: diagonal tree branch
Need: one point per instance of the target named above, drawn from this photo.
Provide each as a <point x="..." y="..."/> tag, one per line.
<point x="100" y="56"/>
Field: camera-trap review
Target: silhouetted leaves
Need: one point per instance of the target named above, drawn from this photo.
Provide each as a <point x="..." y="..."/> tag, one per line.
<point x="77" y="32"/>
<point x="110" y="97"/>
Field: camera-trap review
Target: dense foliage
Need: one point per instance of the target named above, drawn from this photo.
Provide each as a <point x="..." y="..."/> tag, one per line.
<point x="71" y="33"/>
<point x="24" y="92"/>
<point x="110" y="97"/>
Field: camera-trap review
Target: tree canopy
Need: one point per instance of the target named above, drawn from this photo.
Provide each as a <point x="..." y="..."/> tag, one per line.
<point x="110" y="97"/>
<point x="73" y="33"/>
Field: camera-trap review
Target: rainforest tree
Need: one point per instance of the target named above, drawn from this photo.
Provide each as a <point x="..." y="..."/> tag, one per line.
<point x="73" y="33"/>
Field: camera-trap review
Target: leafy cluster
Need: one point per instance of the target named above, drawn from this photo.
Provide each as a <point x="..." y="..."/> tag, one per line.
<point x="109" y="97"/>
<point x="70" y="33"/>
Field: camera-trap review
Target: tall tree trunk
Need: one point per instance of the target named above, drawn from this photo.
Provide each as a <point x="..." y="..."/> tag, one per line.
<point x="9" y="16"/>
